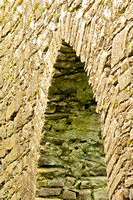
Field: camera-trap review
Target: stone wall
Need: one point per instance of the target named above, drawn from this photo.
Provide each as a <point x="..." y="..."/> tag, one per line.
<point x="71" y="163"/>
<point x="31" y="35"/>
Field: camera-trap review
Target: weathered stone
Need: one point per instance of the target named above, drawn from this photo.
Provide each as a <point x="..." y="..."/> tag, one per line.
<point x="6" y="29"/>
<point x="49" y="161"/>
<point x="118" y="195"/>
<point x="123" y="96"/>
<point x="119" y="47"/>
<point x="67" y="194"/>
<point x="31" y="36"/>
<point x="125" y="79"/>
<point x="100" y="194"/>
<point x="45" y="192"/>
<point x="85" y="195"/>
<point x="22" y="117"/>
<point x="116" y="169"/>
<point x="94" y="182"/>
<point x="116" y="182"/>
<point x="2" y="152"/>
<point x="69" y="182"/>
<point x="129" y="182"/>
<point x="131" y="194"/>
<point x="126" y="193"/>
<point x="50" y="172"/>
<point x="58" y="182"/>
<point x="14" y="107"/>
<point x="65" y="48"/>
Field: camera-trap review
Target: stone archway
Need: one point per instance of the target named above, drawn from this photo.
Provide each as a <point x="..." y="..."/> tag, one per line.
<point x="71" y="163"/>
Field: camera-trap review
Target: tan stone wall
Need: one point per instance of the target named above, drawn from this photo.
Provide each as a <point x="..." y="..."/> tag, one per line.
<point x="31" y="33"/>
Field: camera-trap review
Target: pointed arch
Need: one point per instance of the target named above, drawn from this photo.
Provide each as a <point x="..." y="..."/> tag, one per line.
<point x="71" y="163"/>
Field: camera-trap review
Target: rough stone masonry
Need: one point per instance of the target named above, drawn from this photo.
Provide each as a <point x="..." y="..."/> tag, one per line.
<point x="71" y="163"/>
<point x="32" y="34"/>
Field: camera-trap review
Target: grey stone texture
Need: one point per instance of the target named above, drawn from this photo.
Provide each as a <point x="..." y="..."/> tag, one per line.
<point x="32" y="34"/>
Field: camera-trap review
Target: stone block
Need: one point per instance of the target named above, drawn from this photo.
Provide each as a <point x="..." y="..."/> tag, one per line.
<point x="129" y="182"/>
<point x="68" y="18"/>
<point x="67" y="194"/>
<point x="14" y="197"/>
<point x="125" y="79"/>
<point x="14" y="107"/>
<point x="131" y="134"/>
<point x="6" y="29"/>
<point x="50" y="172"/>
<point x="119" y="195"/>
<point x="45" y="192"/>
<point x="94" y="182"/>
<point x="69" y="182"/>
<point x="79" y="38"/>
<point x="116" y="169"/>
<point x="119" y="47"/>
<point x="85" y="195"/>
<point x="23" y="163"/>
<point x="2" y="152"/>
<point x="15" y="153"/>
<point x="1" y="194"/>
<point x="2" y="132"/>
<point x="101" y="194"/>
<point x="2" y="178"/>
<point x="10" y="142"/>
<point x="116" y="182"/>
<point x="58" y="182"/>
<point x="123" y="96"/>
<point x="131" y="194"/>
<point x="22" y="117"/>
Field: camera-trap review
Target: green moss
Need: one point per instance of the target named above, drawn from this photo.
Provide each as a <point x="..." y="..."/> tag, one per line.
<point x="102" y="2"/>
<point x="20" y="14"/>
<point x="36" y="5"/>
<point x="14" y="9"/>
<point x="116" y="104"/>
<point x="23" y="94"/>
<point x="12" y="67"/>
<point x="42" y="10"/>
<point x="125" y="89"/>
<point x="68" y="8"/>
<point x="54" y="14"/>
<point x="129" y="142"/>
<point x="8" y="76"/>
<point x="128" y="44"/>
<point x="20" y="1"/>
<point x="29" y="21"/>
<point x="118" y="88"/>
<point x="91" y="4"/>
<point x="38" y="35"/>
<point x="89" y="25"/>
<point x="37" y="92"/>
<point x="103" y="107"/>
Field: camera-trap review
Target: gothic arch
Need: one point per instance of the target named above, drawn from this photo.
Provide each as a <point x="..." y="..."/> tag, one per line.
<point x="71" y="163"/>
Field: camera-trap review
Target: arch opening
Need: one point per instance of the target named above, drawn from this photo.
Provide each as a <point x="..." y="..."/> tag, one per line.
<point x="71" y="163"/>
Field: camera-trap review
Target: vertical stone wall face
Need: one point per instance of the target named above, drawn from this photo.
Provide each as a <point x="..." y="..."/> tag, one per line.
<point x="31" y="34"/>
